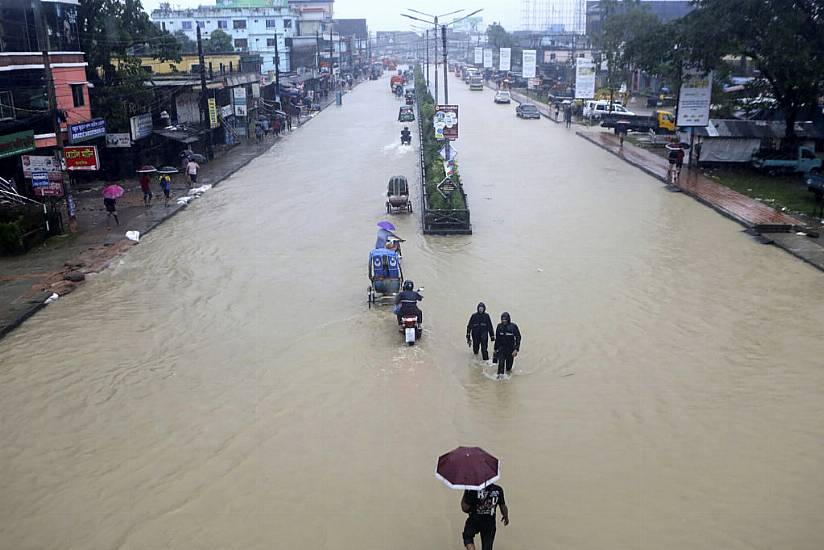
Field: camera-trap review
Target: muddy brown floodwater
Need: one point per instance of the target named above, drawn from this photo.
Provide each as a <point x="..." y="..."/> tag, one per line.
<point x="225" y="386"/>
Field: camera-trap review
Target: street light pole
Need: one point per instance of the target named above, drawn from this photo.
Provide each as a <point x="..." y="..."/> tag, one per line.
<point x="436" y="61"/>
<point x="445" y="70"/>
<point x="427" y="58"/>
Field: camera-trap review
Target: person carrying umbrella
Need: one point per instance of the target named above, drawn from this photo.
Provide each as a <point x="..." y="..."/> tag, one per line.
<point x="385" y="230"/>
<point x="110" y="195"/>
<point x="475" y="471"/>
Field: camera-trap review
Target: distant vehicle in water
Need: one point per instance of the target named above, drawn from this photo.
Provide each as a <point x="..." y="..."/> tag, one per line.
<point x="527" y="110"/>
<point x="406" y="114"/>
<point x="660" y="122"/>
<point x="597" y="109"/>
<point x="502" y="97"/>
<point x="476" y="83"/>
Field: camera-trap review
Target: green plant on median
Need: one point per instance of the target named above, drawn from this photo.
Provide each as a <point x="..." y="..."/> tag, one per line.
<point x="779" y="192"/>
<point x="432" y="160"/>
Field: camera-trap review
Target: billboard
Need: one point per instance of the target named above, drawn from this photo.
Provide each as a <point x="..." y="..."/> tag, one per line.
<point x="81" y="157"/>
<point x="445" y="122"/>
<point x="33" y="164"/>
<point x="239" y="100"/>
<point x="141" y="126"/>
<point x="529" y="64"/>
<point x="694" y="99"/>
<point x="505" y="59"/>
<point x="479" y="56"/>
<point x="118" y="140"/>
<point x="584" y="78"/>
<point x="87" y="130"/>
<point x="487" y="58"/>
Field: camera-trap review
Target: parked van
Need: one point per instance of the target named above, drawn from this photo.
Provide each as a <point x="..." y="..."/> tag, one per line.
<point x="596" y="109"/>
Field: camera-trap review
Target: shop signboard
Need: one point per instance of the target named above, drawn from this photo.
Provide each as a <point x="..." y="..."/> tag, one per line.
<point x="505" y="59"/>
<point x="694" y="99"/>
<point x="239" y="100"/>
<point x="14" y="144"/>
<point x="487" y="58"/>
<point x="479" y="56"/>
<point x="141" y="126"/>
<point x="33" y="164"/>
<point x="226" y="111"/>
<point x="53" y="188"/>
<point x="85" y="131"/>
<point x="213" y="123"/>
<point x="255" y="89"/>
<point x="528" y="64"/>
<point x="584" y="78"/>
<point x="446" y="122"/>
<point x="39" y="179"/>
<point x="81" y="157"/>
<point x="114" y="141"/>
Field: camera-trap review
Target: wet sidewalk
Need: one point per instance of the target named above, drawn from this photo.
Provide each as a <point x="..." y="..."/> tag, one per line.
<point x="60" y="264"/>
<point x="774" y="227"/>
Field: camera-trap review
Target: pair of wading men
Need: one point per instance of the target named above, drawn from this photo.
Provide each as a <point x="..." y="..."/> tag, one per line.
<point x="506" y="337"/>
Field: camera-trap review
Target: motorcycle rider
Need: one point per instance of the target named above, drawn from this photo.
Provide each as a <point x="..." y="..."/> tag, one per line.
<point x="507" y="344"/>
<point x="406" y="135"/>
<point x="477" y="331"/>
<point x="408" y="300"/>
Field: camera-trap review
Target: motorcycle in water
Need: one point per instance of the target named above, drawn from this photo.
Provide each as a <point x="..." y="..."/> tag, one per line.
<point x="406" y="138"/>
<point x="410" y="327"/>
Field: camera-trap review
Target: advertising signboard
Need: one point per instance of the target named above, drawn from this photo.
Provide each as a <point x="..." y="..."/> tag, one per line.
<point x="14" y="144"/>
<point x="33" y="164"/>
<point x="53" y="187"/>
<point x="226" y="111"/>
<point x="487" y="58"/>
<point x="584" y="79"/>
<point x="239" y="101"/>
<point x="87" y="130"/>
<point x="213" y="123"/>
<point x="479" y="56"/>
<point x="446" y="122"/>
<point x="81" y="157"/>
<point x="529" y="64"/>
<point x="694" y="99"/>
<point x="505" y="60"/>
<point x="141" y="126"/>
<point x="39" y="179"/>
<point x="118" y="140"/>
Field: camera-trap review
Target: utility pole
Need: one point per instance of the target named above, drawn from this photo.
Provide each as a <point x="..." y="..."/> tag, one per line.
<point x="445" y="70"/>
<point x="427" y="58"/>
<point x="436" y="61"/>
<point x="331" y="58"/>
<point x="42" y="39"/>
<point x="317" y="51"/>
<point x="204" y="103"/>
<point x="277" y="71"/>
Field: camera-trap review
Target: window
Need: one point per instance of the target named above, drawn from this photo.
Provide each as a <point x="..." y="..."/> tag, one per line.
<point x="270" y="42"/>
<point x="201" y="24"/>
<point x="222" y="24"/>
<point x="238" y="23"/>
<point x="186" y="25"/>
<point x="77" y="95"/>
<point x="287" y="23"/>
<point x="241" y="43"/>
<point x="271" y="23"/>
<point x="6" y="106"/>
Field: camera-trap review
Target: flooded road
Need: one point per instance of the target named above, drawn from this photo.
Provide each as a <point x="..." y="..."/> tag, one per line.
<point x="225" y="386"/>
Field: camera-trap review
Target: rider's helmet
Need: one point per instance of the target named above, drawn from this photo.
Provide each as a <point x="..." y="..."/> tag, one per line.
<point x="505" y="317"/>
<point x="408" y="285"/>
<point x="406" y="128"/>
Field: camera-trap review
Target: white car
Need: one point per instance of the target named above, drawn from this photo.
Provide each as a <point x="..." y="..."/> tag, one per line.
<point x="502" y="97"/>
<point x="596" y="109"/>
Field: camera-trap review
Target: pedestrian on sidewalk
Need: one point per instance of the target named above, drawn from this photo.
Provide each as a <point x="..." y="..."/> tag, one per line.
<point x="478" y="331"/>
<point x="276" y="126"/>
<point x="557" y="111"/>
<point x="258" y="132"/>
<point x="568" y="116"/>
<point x="191" y="168"/>
<point x="166" y="186"/>
<point x="147" y="191"/>
<point x="111" y="212"/>
<point x="480" y="507"/>
<point x="507" y="344"/>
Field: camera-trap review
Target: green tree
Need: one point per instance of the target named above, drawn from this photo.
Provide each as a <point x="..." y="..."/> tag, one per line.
<point x="123" y="96"/>
<point x="220" y="42"/>
<point x="187" y="45"/>
<point x="784" y="39"/>
<point x="497" y="37"/>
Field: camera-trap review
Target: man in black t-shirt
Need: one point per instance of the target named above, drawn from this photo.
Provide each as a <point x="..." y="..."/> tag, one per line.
<point x="481" y="505"/>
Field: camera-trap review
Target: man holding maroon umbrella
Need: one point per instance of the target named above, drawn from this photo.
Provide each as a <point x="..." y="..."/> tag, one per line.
<point x="480" y="505"/>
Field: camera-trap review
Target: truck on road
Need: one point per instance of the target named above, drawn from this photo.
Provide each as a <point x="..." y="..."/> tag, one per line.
<point x="660" y="122"/>
<point x="798" y="160"/>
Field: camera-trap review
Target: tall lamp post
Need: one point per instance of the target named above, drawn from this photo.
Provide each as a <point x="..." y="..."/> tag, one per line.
<point x="433" y="20"/>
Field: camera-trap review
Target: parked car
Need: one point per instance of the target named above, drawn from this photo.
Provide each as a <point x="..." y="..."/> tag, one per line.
<point x="502" y="97"/>
<point x="597" y="109"/>
<point x="527" y="110"/>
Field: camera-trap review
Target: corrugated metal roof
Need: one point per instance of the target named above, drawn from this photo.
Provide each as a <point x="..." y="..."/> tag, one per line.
<point x="756" y="129"/>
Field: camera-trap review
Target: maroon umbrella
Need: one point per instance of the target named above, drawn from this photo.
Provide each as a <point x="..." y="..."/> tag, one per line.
<point x="468" y="468"/>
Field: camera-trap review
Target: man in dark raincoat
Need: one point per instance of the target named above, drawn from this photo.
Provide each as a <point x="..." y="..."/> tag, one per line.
<point x="479" y="330"/>
<point x="507" y="344"/>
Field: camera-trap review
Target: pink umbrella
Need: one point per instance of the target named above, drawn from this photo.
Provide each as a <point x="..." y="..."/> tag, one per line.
<point x="113" y="192"/>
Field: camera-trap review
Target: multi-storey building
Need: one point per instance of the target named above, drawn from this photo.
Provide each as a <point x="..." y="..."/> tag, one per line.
<point x="25" y="121"/>
<point x="254" y="25"/>
<point x="314" y="15"/>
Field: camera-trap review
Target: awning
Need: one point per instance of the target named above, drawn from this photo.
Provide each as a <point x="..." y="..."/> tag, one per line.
<point x="186" y="136"/>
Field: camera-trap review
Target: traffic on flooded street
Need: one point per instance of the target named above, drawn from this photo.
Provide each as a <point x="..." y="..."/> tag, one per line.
<point x="490" y="309"/>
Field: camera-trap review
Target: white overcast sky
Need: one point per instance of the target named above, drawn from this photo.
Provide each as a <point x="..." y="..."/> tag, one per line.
<point x="384" y="15"/>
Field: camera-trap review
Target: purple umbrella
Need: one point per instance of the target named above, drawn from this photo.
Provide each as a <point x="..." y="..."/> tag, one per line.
<point x="386" y="225"/>
<point x="468" y="468"/>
